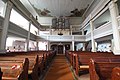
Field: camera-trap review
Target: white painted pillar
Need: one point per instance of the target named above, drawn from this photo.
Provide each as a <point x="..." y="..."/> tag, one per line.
<point x="71" y="30"/>
<point x="83" y="43"/>
<point x="73" y="45"/>
<point x="28" y="37"/>
<point x="92" y="37"/>
<point x="63" y="49"/>
<point x="5" y="27"/>
<point x="82" y="32"/>
<point x="38" y="31"/>
<point x="37" y="43"/>
<point x="115" y="25"/>
<point x="37" y="40"/>
<point x="50" y="31"/>
<point x="47" y="43"/>
<point x="83" y="47"/>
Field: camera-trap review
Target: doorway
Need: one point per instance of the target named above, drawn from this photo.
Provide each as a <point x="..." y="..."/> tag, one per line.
<point x="60" y="49"/>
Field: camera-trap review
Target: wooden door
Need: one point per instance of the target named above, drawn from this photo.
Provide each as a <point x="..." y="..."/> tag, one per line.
<point x="60" y="49"/>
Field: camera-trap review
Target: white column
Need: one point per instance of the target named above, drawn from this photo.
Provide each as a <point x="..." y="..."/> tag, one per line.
<point x="38" y="31"/>
<point x="5" y="27"/>
<point x="47" y="43"/>
<point x="50" y="31"/>
<point x="73" y="45"/>
<point x="83" y="47"/>
<point x="63" y="49"/>
<point x="82" y="32"/>
<point x="92" y="37"/>
<point x="49" y="46"/>
<point x="83" y="43"/>
<point x="28" y="37"/>
<point x="37" y="43"/>
<point x="71" y="30"/>
<point x="115" y="25"/>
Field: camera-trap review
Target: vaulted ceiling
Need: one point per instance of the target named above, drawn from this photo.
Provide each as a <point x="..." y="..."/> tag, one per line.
<point x="60" y="7"/>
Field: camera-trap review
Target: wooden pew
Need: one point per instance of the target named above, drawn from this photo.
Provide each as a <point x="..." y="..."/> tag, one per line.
<point x="33" y="63"/>
<point x="15" y="70"/>
<point x="44" y="60"/>
<point x="67" y="54"/>
<point x="80" y="59"/>
<point x="45" y="57"/>
<point x="34" y="72"/>
<point x="100" y="70"/>
<point x="116" y="73"/>
<point x="1" y="73"/>
<point x="30" y="54"/>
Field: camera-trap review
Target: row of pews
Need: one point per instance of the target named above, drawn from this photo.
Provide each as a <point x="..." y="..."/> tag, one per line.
<point x="24" y="65"/>
<point x="100" y="65"/>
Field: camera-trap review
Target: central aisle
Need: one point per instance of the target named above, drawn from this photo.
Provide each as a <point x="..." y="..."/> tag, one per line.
<point x="59" y="69"/>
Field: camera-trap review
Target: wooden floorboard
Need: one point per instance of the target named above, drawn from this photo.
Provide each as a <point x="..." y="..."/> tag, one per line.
<point x="59" y="69"/>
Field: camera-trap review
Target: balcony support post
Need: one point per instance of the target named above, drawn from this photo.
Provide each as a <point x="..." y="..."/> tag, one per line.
<point x="28" y="36"/>
<point x="115" y="25"/>
<point x="92" y="36"/>
<point x="5" y="27"/>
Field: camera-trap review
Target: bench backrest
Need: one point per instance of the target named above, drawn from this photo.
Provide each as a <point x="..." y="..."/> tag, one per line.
<point x="101" y="70"/>
<point x="116" y="73"/>
<point x="15" y="69"/>
<point x="1" y="74"/>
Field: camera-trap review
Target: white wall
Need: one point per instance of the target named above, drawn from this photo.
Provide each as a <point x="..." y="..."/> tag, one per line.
<point x="75" y="20"/>
<point x="45" y="20"/>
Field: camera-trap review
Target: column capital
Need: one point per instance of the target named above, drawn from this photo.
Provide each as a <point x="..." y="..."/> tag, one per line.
<point x="9" y="3"/>
<point x="31" y="17"/>
<point x="111" y="4"/>
<point x="30" y="22"/>
<point x="90" y="16"/>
